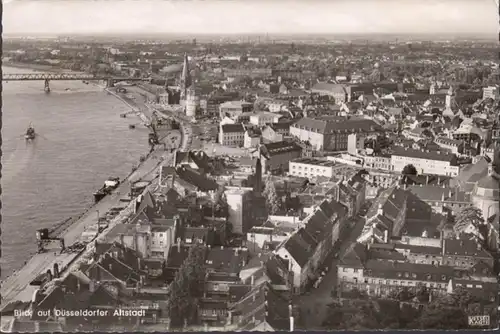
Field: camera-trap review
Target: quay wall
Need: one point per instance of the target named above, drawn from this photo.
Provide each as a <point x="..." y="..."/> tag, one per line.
<point x="70" y="225"/>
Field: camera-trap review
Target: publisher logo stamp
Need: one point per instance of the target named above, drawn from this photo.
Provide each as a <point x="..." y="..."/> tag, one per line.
<point x="479" y="320"/>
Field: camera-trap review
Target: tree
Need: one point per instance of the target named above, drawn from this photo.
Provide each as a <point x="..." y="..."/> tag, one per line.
<point x="186" y="288"/>
<point x="422" y="293"/>
<point x="351" y="315"/>
<point x="271" y="196"/>
<point x="409" y="170"/>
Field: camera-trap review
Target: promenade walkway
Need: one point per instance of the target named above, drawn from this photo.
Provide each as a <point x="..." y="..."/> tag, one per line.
<point x="17" y="288"/>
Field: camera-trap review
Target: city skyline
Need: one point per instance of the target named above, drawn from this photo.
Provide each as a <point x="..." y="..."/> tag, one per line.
<point x="250" y="17"/>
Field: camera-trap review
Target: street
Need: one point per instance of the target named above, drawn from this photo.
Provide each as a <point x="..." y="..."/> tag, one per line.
<point x="314" y="303"/>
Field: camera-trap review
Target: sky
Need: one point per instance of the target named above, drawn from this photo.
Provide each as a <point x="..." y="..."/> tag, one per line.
<point x="249" y="16"/>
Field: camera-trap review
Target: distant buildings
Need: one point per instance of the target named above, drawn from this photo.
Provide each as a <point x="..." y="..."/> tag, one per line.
<point x="491" y="92"/>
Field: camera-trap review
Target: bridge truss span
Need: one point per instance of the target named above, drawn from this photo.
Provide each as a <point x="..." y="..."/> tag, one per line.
<point x="50" y="76"/>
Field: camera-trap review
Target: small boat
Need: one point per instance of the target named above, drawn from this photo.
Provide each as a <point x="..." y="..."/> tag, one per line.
<point x="109" y="185"/>
<point x="30" y="133"/>
<point x="131" y="126"/>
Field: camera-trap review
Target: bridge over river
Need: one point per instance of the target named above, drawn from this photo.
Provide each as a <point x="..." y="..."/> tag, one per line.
<point x="47" y="77"/>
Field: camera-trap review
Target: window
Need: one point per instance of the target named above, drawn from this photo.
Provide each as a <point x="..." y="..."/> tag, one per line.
<point x="344" y="270"/>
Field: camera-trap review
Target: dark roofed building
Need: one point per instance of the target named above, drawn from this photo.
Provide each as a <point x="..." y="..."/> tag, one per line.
<point x="331" y="134"/>
<point x="275" y="156"/>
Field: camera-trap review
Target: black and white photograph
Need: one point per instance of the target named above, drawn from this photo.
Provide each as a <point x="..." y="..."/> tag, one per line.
<point x="249" y="165"/>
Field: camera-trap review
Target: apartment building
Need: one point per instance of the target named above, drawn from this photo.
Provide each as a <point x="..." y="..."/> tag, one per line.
<point x="276" y="156"/>
<point x="425" y="161"/>
<point x="232" y="135"/>
<point x="263" y="118"/>
<point x="233" y="109"/>
<point x="331" y="134"/>
<point x="452" y="145"/>
<point x="309" y="167"/>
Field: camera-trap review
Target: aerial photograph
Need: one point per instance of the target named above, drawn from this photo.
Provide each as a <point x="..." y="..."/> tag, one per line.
<point x="249" y="165"/>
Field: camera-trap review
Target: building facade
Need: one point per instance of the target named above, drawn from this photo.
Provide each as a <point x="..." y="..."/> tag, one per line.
<point x="425" y="161"/>
<point x="232" y="135"/>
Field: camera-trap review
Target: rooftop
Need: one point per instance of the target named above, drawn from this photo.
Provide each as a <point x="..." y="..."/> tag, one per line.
<point x="336" y="125"/>
<point x="423" y="154"/>
<point x="316" y="162"/>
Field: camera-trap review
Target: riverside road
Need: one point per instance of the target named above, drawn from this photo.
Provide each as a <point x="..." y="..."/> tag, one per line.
<point x="17" y="288"/>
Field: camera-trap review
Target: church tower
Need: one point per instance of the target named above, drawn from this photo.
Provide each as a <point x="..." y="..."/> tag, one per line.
<point x="450" y="98"/>
<point x="186" y="80"/>
<point x="192" y="102"/>
<point x="257" y="182"/>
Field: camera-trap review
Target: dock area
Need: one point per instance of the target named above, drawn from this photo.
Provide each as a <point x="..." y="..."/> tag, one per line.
<point x="17" y="286"/>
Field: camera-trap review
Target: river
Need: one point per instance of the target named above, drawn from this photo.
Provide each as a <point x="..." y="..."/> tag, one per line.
<point x="82" y="141"/>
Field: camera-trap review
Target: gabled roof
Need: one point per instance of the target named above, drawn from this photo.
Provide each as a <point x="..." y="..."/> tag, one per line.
<point x="226" y="259"/>
<point x="301" y="246"/>
<point x="281" y="147"/>
<point x="355" y="256"/>
<point x="336" y="125"/>
<point x="276" y="270"/>
<point x="391" y="202"/>
<point x="408" y="271"/>
<point x="196" y="179"/>
<point x="231" y="128"/>
<point x="464" y="247"/>
<point x="264" y="305"/>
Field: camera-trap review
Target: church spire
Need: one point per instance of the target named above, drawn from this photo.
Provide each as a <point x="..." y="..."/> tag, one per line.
<point x="185" y="78"/>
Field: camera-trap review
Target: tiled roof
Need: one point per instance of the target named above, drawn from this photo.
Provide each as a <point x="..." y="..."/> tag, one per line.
<point x="196" y="179"/>
<point x="301" y="246"/>
<point x="197" y="233"/>
<point x="333" y="88"/>
<point x="280" y="148"/>
<point x="275" y="269"/>
<point x="421" y="154"/>
<point x="337" y="125"/>
<point x="226" y="259"/>
<point x="463" y="247"/>
<point x="264" y="305"/>
<point x="416" y="249"/>
<point x="392" y="201"/>
<point x="408" y="271"/>
<point x="355" y="256"/>
<point x="229" y="128"/>
<point x="177" y="256"/>
<point x="437" y="193"/>
<point x="281" y="126"/>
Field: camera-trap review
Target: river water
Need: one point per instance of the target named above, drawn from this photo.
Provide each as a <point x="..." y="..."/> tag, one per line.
<point x="82" y="141"/>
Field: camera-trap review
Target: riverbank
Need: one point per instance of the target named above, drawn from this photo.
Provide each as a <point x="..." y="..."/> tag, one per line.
<point x="20" y="247"/>
<point x="16" y="286"/>
<point x="35" y="67"/>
